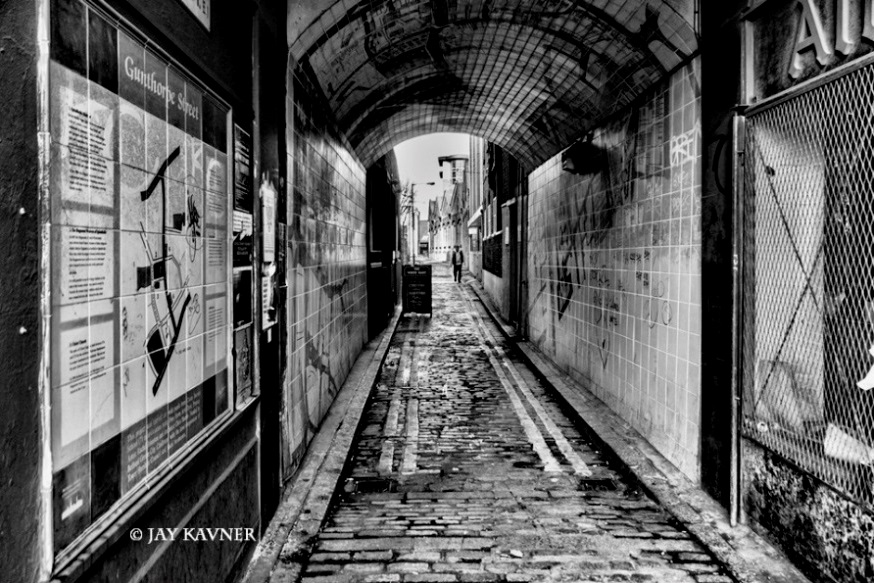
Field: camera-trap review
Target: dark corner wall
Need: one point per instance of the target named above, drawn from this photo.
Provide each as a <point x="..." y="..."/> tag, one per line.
<point x="720" y="84"/>
<point x="504" y="193"/>
<point x="21" y="431"/>
<point x="383" y="271"/>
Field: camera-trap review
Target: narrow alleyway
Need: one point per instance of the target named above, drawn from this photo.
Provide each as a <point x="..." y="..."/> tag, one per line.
<point x="466" y="469"/>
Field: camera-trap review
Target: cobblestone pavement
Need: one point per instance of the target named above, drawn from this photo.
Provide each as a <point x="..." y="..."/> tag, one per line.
<point x="466" y="469"/>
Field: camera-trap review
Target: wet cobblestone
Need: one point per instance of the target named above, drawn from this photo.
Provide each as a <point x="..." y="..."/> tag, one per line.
<point x="465" y="469"/>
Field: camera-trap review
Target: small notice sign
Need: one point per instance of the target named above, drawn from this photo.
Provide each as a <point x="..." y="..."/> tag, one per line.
<point x="201" y="10"/>
<point x="417" y="289"/>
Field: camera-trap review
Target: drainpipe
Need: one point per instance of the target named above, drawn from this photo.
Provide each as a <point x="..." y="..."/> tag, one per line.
<point x="738" y="146"/>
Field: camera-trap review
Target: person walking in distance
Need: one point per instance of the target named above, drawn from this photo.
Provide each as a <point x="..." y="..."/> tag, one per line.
<point x="457" y="262"/>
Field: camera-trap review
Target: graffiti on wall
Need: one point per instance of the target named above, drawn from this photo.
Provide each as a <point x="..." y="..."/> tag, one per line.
<point x="326" y="270"/>
<point x="614" y="259"/>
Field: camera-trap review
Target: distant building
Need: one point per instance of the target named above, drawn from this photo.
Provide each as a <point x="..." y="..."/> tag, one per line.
<point x="476" y="177"/>
<point x="424" y="238"/>
<point x="448" y="215"/>
<point x="498" y="197"/>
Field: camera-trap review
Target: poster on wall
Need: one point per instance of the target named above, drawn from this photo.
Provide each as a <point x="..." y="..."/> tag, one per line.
<point x="269" y="300"/>
<point x="242" y="170"/>
<point x="242" y="297"/>
<point x="243" y="352"/>
<point x="140" y="332"/>
<point x="281" y="252"/>
<point x="268" y="221"/>
<point x="242" y="244"/>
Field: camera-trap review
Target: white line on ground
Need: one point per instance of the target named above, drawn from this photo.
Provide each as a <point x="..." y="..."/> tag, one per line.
<point x="391" y="419"/>
<point x="567" y="450"/>
<point x="390" y="431"/>
<point x="422" y="370"/>
<point x="404" y="365"/>
<point x="411" y="447"/>
<point x="550" y="464"/>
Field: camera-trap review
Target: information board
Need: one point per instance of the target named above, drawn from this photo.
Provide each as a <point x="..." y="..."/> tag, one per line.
<point x="417" y="289"/>
<point x="140" y="231"/>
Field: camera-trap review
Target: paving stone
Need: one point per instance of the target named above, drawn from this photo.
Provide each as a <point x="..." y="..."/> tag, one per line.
<point x="420" y="556"/>
<point x="431" y="578"/>
<point x="409" y="568"/>
<point x="465" y="486"/>
<point x="323" y="568"/>
<point x="698" y="567"/>
<point x="364" y="568"/>
<point x="623" y="565"/>
<point x="364" y="545"/>
<point x="478" y="577"/>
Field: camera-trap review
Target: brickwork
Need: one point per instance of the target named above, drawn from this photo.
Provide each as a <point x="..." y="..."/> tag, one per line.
<point x="466" y="469"/>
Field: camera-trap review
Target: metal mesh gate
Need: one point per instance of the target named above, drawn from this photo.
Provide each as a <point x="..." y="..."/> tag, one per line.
<point x="808" y="273"/>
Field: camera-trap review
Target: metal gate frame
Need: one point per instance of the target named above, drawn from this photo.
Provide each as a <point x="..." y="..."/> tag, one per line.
<point x="845" y="444"/>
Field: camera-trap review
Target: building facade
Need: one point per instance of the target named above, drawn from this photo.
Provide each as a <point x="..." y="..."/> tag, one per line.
<point x="447" y="216"/>
<point x="475" y="205"/>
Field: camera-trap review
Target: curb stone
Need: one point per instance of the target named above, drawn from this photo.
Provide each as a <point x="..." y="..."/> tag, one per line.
<point x="304" y="504"/>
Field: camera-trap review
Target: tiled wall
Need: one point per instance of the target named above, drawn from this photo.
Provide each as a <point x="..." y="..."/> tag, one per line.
<point x="327" y="279"/>
<point x="615" y="268"/>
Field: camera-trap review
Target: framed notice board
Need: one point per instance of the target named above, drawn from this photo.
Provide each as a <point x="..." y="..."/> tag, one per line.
<point x="141" y="327"/>
<point x="417" y="288"/>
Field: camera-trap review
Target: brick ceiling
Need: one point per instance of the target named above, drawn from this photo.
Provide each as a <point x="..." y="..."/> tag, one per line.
<point x="529" y="75"/>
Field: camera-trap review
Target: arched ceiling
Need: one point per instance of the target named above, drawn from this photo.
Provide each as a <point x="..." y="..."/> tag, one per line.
<point x="529" y="75"/>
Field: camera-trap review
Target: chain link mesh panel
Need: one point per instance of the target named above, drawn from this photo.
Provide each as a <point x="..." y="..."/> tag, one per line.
<point x="808" y="293"/>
